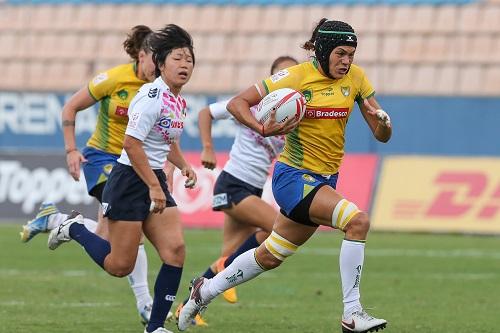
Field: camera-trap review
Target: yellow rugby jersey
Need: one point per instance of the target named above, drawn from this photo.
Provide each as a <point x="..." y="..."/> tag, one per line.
<point x="317" y="144"/>
<point x="115" y="89"/>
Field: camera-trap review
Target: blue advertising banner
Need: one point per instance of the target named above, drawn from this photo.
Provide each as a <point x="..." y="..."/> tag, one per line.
<point x="32" y="122"/>
<point x="432" y="125"/>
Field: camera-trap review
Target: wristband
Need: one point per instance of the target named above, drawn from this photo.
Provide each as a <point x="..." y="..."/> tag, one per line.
<point x="69" y="150"/>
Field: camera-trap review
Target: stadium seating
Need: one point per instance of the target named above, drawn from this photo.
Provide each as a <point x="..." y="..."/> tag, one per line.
<point x="436" y="47"/>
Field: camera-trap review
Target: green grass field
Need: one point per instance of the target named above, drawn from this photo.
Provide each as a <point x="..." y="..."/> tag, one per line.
<point x="419" y="283"/>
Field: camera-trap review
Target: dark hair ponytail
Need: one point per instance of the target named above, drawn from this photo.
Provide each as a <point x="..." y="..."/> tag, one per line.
<point x="309" y="45"/>
<point x="137" y="40"/>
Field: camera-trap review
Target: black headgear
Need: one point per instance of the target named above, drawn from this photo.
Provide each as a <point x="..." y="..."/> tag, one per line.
<point x="330" y="35"/>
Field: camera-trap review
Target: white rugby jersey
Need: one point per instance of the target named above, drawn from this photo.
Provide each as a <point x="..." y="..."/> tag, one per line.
<point x="251" y="154"/>
<point x="156" y="117"/>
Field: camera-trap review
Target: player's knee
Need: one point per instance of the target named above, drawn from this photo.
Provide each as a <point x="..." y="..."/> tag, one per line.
<point x="278" y="249"/>
<point x="265" y="259"/>
<point x="358" y="227"/>
<point x="120" y="268"/>
<point x="174" y="255"/>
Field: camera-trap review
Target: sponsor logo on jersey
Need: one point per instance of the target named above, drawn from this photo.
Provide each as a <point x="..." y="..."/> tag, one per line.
<point x="100" y="78"/>
<point x="280" y="75"/>
<point x="328" y="92"/>
<point x="166" y="122"/>
<point x="121" y="111"/>
<point x="219" y="200"/>
<point x="326" y="113"/>
<point x="123" y="94"/>
<point x="133" y="120"/>
<point x="346" y="91"/>
<point x="170" y="298"/>
<point x="153" y="92"/>
<point x="308" y="94"/>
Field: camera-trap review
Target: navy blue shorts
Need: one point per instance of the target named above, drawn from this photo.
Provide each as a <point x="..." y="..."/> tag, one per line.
<point x="294" y="190"/>
<point x="126" y="196"/>
<point x="229" y="190"/>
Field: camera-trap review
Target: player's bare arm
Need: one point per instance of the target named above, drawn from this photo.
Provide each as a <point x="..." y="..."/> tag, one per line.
<point x="176" y="157"/>
<point x="208" y="158"/>
<point x="78" y="102"/>
<point x="378" y="120"/>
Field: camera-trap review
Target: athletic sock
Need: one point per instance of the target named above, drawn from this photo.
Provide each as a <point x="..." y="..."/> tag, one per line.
<point x="209" y="273"/>
<point x="243" y="268"/>
<point x="138" y="279"/>
<point x="55" y="220"/>
<point x="352" y="254"/>
<point x="96" y="247"/>
<point x="91" y="225"/>
<point x="166" y="286"/>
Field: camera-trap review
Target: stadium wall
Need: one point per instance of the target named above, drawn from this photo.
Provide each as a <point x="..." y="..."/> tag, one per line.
<point x="247" y="2"/>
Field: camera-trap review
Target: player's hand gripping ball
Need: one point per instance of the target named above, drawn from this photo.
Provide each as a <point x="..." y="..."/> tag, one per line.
<point x="286" y="102"/>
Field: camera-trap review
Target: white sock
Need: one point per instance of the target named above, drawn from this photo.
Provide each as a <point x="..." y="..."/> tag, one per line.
<point x="91" y="225"/>
<point x="352" y="255"/>
<point x="55" y="220"/>
<point x="242" y="269"/>
<point x="138" y="279"/>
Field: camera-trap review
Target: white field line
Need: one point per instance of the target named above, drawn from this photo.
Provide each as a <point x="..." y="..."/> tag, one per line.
<point x="68" y="273"/>
<point x="333" y="274"/>
<point x="388" y="252"/>
<point x="64" y="304"/>
<point x="402" y="252"/>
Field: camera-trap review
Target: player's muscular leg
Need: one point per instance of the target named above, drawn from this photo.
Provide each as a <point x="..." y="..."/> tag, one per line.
<point x="165" y="233"/>
<point x="102" y="225"/>
<point x="255" y="212"/>
<point x="286" y="237"/>
<point x="261" y="236"/>
<point x="244" y="219"/>
<point x="233" y="235"/>
<point x="331" y="209"/>
<point x="124" y="237"/>
<point x="358" y="227"/>
<point x="235" y="232"/>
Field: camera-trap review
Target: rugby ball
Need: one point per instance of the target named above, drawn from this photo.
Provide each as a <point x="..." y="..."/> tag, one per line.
<point x="287" y="103"/>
